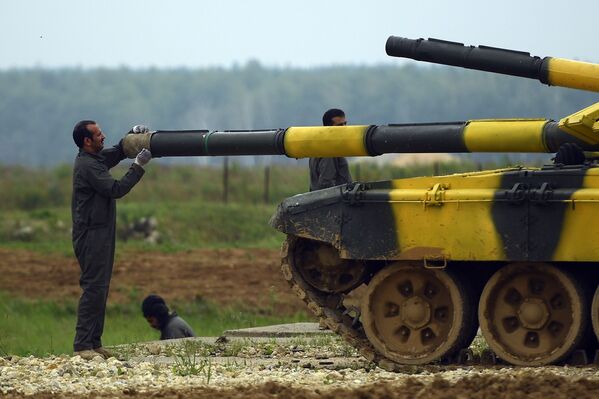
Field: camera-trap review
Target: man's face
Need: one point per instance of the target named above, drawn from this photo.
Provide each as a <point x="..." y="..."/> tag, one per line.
<point x="152" y="321"/>
<point x="338" y="121"/>
<point x="96" y="143"/>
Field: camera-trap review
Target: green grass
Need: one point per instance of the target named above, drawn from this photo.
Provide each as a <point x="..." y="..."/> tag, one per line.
<point x="185" y="200"/>
<point x="187" y="203"/>
<point x="43" y="327"/>
<point x="32" y="189"/>
<point x="182" y="226"/>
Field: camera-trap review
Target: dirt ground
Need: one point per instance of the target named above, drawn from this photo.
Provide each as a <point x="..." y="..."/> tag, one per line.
<point x="248" y="277"/>
<point x="533" y="386"/>
<point x="252" y="277"/>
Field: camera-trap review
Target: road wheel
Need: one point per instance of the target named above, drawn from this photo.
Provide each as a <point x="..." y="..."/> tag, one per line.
<point x="414" y="315"/>
<point x="321" y="267"/>
<point x="533" y="314"/>
<point x="595" y="313"/>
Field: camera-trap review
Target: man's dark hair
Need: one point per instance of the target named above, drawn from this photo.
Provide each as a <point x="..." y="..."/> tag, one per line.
<point x="154" y="305"/>
<point x="80" y="132"/>
<point x="327" y="118"/>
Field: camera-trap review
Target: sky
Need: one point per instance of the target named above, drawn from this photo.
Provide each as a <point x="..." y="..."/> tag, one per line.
<point x="278" y="33"/>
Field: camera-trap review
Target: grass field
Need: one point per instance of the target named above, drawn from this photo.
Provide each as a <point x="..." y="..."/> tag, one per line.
<point x="186" y="202"/>
<point x="181" y="226"/>
<point x="29" y="189"/>
<point x="44" y="328"/>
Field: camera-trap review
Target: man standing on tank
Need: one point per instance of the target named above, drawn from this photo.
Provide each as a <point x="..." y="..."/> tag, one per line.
<point x="330" y="172"/>
<point x="93" y="210"/>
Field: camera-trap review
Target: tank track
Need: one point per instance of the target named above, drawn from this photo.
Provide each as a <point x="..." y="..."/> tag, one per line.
<point x="332" y="313"/>
<point x="330" y="310"/>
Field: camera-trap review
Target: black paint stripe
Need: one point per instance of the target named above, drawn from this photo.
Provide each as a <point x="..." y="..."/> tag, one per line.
<point x="483" y="58"/>
<point x="419" y="137"/>
<point x="554" y="137"/>
<point x="544" y="72"/>
<point x="368" y="230"/>
<point x="362" y="228"/>
<point x="529" y="227"/>
<point x="202" y="142"/>
<point x="166" y="143"/>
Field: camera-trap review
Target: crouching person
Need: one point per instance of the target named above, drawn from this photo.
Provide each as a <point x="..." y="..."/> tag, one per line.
<point x="168" y="323"/>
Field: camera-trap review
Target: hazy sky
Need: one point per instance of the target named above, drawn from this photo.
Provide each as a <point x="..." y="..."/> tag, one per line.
<point x="302" y="33"/>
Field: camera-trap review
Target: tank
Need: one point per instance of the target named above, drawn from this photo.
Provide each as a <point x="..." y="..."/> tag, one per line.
<point x="407" y="270"/>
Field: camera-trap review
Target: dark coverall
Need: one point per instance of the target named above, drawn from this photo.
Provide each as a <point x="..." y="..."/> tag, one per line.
<point x="328" y="172"/>
<point x="93" y="209"/>
<point x="175" y="327"/>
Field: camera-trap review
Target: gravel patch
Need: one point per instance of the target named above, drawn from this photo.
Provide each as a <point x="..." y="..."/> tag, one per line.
<point x="302" y="366"/>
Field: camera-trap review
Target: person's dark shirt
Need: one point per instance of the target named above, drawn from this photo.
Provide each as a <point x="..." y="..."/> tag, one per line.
<point x="328" y="172"/>
<point x="93" y="203"/>
<point x="176" y="327"/>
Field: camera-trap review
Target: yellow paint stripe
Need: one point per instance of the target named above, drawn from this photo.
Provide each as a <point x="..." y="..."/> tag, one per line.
<point x="579" y="238"/>
<point x="460" y="229"/>
<point x="574" y="74"/>
<point x="486" y="178"/>
<point x="325" y="141"/>
<point x="583" y="124"/>
<point x="505" y="135"/>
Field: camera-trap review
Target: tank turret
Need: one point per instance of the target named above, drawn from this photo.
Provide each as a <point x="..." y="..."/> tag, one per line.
<point x="406" y="270"/>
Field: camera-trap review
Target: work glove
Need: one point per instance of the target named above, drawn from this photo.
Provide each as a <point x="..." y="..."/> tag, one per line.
<point x="569" y="154"/>
<point x="137" y="129"/>
<point x="143" y="157"/>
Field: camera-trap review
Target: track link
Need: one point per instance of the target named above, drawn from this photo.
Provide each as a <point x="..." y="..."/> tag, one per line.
<point x="329" y="309"/>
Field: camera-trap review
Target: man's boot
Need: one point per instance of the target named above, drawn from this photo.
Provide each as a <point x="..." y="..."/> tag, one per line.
<point x="104" y="353"/>
<point x="87" y="354"/>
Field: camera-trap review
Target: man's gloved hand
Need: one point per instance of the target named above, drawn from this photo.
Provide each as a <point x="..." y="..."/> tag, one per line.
<point x="569" y="154"/>
<point x="137" y="129"/>
<point x="143" y="157"/>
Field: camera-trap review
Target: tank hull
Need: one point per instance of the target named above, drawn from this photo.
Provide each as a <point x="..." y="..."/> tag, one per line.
<point x="518" y="214"/>
<point x="514" y="249"/>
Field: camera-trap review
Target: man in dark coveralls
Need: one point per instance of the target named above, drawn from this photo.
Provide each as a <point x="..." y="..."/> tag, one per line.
<point x="329" y="172"/>
<point x="94" y="218"/>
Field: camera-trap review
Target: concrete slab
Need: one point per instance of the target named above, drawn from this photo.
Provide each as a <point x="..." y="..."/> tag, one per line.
<point x="279" y="331"/>
<point x="282" y="334"/>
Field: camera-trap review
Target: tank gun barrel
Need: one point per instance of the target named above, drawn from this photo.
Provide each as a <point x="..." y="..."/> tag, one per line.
<point x="549" y="70"/>
<point x="492" y="135"/>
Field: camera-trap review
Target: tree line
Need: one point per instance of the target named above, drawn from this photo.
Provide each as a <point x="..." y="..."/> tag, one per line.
<point x="38" y="107"/>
